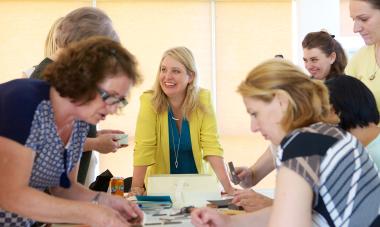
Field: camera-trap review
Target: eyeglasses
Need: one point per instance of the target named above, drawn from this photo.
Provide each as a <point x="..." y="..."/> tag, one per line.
<point x="112" y="99"/>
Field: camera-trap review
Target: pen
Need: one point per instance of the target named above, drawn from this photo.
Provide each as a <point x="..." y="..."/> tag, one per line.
<point x="164" y="223"/>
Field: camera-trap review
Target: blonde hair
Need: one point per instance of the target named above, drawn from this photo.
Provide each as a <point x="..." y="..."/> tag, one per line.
<point x="51" y="42"/>
<point x="308" y="99"/>
<point x="160" y="100"/>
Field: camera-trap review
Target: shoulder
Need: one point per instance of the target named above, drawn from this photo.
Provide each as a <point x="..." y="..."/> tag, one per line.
<point x="24" y="90"/>
<point x="313" y="140"/>
<point x="204" y="96"/>
<point x="361" y="55"/>
<point x="37" y="73"/>
<point x="20" y="99"/>
<point x="146" y="95"/>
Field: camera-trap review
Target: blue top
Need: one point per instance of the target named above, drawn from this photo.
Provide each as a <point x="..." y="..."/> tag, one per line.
<point x="26" y="117"/>
<point x="182" y="146"/>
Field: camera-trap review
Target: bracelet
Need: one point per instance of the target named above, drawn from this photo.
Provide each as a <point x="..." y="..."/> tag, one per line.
<point x="138" y="190"/>
<point x="96" y="198"/>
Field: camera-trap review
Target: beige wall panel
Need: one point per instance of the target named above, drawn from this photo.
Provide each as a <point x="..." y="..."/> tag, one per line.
<point x="247" y="33"/>
<point x="24" y="26"/>
<point x="346" y="22"/>
<point x="147" y="29"/>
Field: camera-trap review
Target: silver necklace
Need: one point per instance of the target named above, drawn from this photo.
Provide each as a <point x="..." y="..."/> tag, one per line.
<point x="373" y="75"/>
<point x="66" y="126"/>
<point x="176" y="151"/>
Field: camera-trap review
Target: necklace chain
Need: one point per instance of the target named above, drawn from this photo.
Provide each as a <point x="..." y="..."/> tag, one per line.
<point x="176" y="151"/>
<point x="373" y="75"/>
<point x="61" y="130"/>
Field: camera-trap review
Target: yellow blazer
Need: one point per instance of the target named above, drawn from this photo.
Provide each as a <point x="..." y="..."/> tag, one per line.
<point x="152" y="136"/>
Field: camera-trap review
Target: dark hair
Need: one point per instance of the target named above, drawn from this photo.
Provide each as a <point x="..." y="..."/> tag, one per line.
<point x="374" y="3"/>
<point x="82" y="66"/>
<point x="353" y="102"/>
<point x="83" y="23"/>
<point x="327" y="44"/>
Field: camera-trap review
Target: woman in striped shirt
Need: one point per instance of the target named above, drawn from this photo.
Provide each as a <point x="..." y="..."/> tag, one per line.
<point x="325" y="176"/>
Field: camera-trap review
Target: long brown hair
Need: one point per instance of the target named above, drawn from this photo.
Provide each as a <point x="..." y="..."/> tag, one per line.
<point x="328" y="45"/>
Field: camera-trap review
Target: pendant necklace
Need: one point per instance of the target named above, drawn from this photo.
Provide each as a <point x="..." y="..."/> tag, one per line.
<point x="373" y="75"/>
<point x="176" y="149"/>
<point x="64" y="180"/>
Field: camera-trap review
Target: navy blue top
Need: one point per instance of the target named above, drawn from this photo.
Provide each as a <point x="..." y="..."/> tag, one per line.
<point x="185" y="158"/>
<point x="26" y="116"/>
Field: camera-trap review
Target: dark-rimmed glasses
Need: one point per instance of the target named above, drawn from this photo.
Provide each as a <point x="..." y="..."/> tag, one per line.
<point x="112" y="99"/>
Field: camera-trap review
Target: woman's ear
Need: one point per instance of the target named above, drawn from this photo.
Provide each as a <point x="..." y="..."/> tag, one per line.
<point x="283" y="99"/>
<point x="332" y="57"/>
<point x="191" y="76"/>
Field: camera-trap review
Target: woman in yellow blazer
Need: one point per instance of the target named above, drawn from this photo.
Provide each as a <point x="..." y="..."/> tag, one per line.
<point x="176" y="127"/>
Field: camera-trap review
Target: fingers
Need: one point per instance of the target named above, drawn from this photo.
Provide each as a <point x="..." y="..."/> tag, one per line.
<point x="196" y="217"/>
<point x="204" y="217"/>
<point x="110" y="131"/>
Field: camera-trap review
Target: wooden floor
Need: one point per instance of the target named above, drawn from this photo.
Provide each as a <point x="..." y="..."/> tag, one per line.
<point x="242" y="150"/>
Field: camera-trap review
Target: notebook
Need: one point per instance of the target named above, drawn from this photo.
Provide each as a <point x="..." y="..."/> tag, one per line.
<point x="185" y="189"/>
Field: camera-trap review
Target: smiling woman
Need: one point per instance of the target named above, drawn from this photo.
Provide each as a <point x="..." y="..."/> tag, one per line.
<point x="323" y="55"/>
<point x="176" y="127"/>
<point x="87" y="82"/>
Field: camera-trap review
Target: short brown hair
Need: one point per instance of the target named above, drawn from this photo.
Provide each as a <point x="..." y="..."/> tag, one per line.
<point x="308" y="98"/>
<point x="83" y="23"/>
<point x="83" y="65"/>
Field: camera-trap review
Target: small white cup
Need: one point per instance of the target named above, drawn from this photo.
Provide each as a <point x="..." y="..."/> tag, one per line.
<point x="122" y="139"/>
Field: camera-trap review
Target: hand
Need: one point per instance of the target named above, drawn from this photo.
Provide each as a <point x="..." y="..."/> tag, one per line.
<point x="209" y="217"/>
<point x="106" y="141"/>
<point x="128" y="210"/>
<point x="136" y="191"/>
<point x="230" y="191"/>
<point x="245" y="175"/>
<point x="250" y="200"/>
<point x="108" y="217"/>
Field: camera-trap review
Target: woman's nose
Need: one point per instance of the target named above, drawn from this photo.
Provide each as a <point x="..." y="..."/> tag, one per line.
<point x="254" y="126"/>
<point x="112" y="108"/>
<point x="357" y="27"/>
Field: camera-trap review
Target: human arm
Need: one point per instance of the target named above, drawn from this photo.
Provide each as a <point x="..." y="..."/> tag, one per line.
<point x="104" y="142"/>
<point x="293" y="200"/>
<point x="209" y="141"/>
<point x="208" y="217"/>
<point x="249" y="177"/>
<point x="137" y="187"/>
<point x="18" y="197"/>
<point x="145" y="143"/>
<point x="218" y="166"/>
<point x="79" y="192"/>
<point x="250" y="200"/>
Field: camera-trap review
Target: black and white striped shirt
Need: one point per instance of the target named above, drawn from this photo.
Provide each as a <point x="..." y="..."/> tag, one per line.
<point x="344" y="180"/>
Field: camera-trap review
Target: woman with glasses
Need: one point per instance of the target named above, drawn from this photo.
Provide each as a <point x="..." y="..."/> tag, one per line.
<point x="43" y="126"/>
<point x="176" y="126"/>
<point x="80" y="24"/>
<point x="325" y="176"/>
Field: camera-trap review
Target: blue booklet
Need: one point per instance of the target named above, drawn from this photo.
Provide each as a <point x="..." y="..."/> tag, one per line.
<point x="153" y="202"/>
<point x="155" y="198"/>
